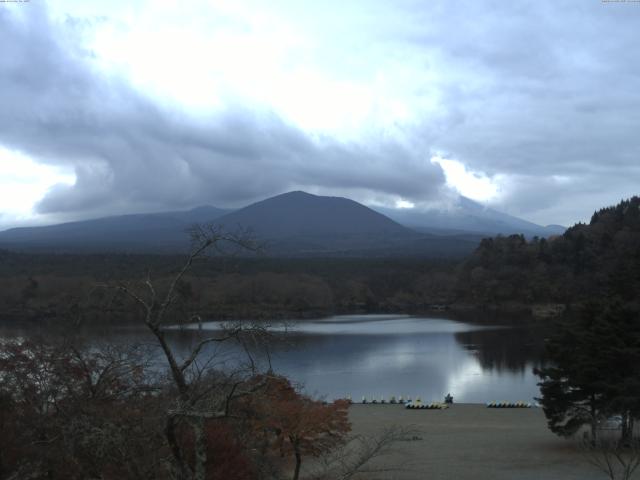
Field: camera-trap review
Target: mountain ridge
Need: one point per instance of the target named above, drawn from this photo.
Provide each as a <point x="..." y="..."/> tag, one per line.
<point x="293" y="224"/>
<point x="287" y="214"/>
<point x="469" y="216"/>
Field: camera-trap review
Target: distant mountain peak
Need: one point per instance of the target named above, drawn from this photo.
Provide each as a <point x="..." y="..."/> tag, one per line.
<point x="467" y="215"/>
<point x="298" y="213"/>
<point x="203" y="208"/>
<point x="300" y="195"/>
<point x="296" y="193"/>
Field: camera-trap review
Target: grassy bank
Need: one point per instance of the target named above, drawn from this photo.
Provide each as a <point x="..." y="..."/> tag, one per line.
<point x="474" y="442"/>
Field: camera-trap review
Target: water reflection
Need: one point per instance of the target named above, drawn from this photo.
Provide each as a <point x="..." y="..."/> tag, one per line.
<point x="513" y="349"/>
<point x="384" y="355"/>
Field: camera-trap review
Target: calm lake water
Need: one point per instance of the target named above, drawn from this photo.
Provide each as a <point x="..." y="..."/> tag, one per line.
<point x="383" y="355"/>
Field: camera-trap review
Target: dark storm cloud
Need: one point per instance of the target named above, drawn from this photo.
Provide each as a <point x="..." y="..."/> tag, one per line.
<point x="543" y="97"/>
<point x="545" y="90"/>
<point x="130" y="153"/>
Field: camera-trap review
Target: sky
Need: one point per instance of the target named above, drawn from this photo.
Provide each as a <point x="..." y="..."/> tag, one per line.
<point x="111" y="107"/>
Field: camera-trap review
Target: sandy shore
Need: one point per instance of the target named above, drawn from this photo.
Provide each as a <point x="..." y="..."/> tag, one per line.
<point x="474" y="442"/>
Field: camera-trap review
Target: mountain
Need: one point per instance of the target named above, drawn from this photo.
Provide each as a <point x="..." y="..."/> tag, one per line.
<point x="154" y="232"/>
<point x="291" y="224"/>
<point x="300" y="214"/>
<point x="466" y="215"/>
<point x="299" y="223"/>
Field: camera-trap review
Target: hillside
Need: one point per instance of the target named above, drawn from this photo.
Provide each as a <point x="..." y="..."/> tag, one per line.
<point x="156" y="232"/>
<point x="587" y="261"/>
<point x="298" y="223"/>
<point x="300" y="214"/>
<point x="292" y="224"/>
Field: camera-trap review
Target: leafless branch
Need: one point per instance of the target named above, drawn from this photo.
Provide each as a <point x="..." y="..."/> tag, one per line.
<point x="358" y="455"/>
<point x="612" y="457"/>
<point x="196" y="351"/>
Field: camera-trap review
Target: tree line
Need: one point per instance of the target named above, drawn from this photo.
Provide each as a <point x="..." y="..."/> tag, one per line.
<point x="601" y="258"/>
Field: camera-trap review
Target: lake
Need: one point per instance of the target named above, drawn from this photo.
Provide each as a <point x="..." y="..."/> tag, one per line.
<point x="382" y="355"/>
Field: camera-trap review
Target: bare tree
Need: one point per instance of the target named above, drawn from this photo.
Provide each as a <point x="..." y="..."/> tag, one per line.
<point x="202" y="395"/>
<point x="616" y="459"/>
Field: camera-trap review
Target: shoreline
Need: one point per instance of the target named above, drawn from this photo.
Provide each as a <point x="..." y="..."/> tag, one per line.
<point x="487" y="314"/>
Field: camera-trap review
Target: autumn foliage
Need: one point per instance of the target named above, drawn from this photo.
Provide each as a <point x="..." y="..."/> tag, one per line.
<point x="71" y="413"/>
<point x="294" y="425"/>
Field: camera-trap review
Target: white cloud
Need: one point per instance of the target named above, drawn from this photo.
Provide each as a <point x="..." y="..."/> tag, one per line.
<point x="475" y="185"/>
<point x="204" y="56"/>
<point x="335" y="96"/>
<point x="133" y="152"/>
<point x="23" y="183"/>
<point x="404" y="204"/>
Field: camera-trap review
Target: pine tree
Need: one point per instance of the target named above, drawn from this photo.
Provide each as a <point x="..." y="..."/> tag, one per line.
<point x="618" y="329"/>
<point x="593" y="371"/>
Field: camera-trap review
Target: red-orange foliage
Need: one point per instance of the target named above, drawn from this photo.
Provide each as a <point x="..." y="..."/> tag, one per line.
<point x="66" y="413"/>
<point x="298" y="425"/>
<point x="227" y="458"/>
<point x="71" y="414"/>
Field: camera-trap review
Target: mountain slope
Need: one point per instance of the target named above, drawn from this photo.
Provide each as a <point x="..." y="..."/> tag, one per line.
<point x="467" y="215"/>
<point x="300" y="214"/>
<point x="298" y="223"/>
<point x="292" y="224"/>
<point x="155" y="232"/>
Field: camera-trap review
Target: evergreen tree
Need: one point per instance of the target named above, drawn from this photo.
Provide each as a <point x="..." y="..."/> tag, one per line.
<point x="618" y="329"/>
<point x="593" y="371"/>
<point x="570" y="386"/>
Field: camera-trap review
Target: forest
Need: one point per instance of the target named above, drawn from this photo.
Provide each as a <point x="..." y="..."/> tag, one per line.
<point x="599" y="258"/>
<point x="504" y="272"/>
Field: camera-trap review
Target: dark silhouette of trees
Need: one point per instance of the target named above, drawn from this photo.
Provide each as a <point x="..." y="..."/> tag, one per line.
<point x="77" y="413"/>
<point x="598" y="259"/>
<point x="259" y="287"/>
<point x="593" y="370"/>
